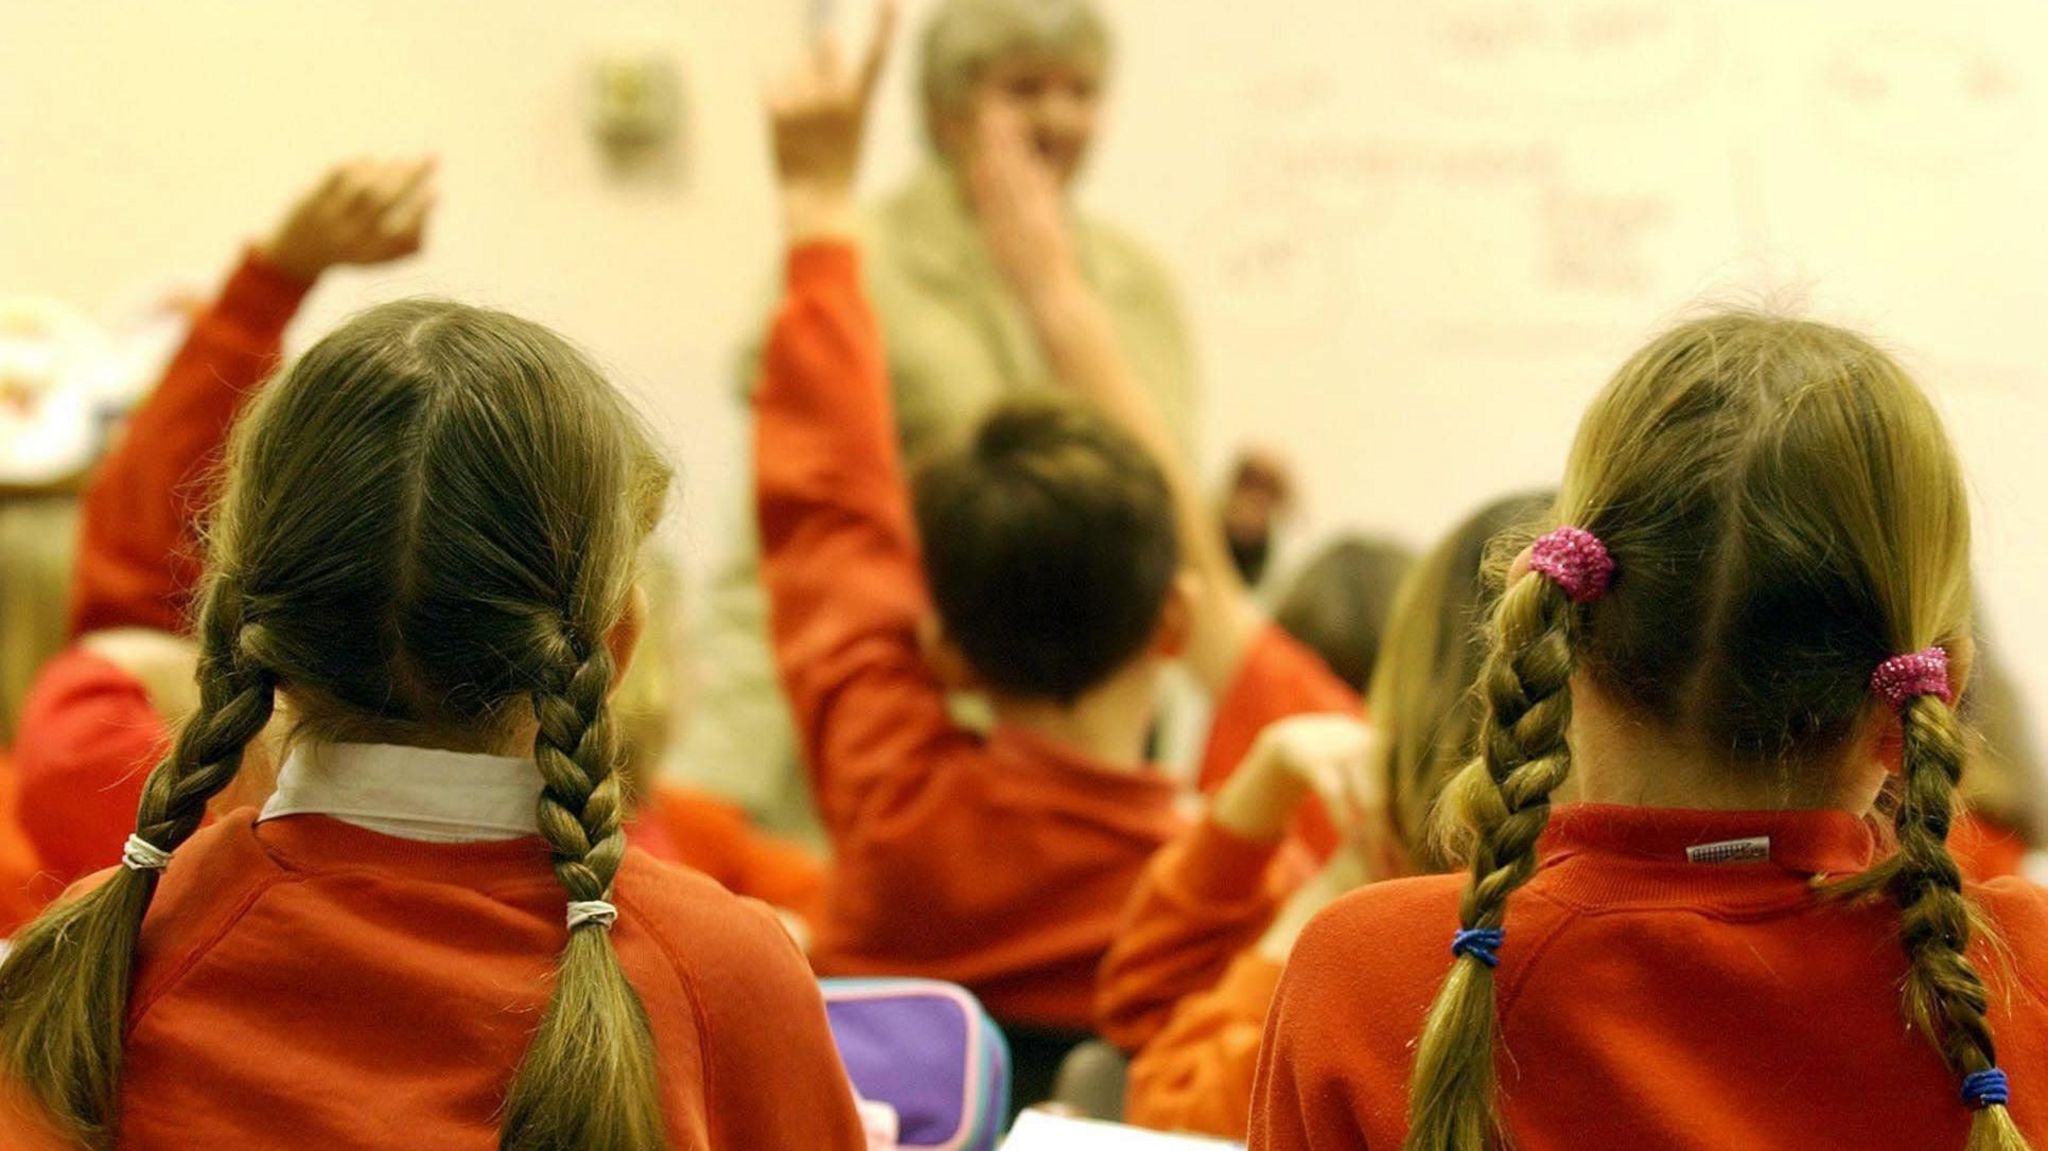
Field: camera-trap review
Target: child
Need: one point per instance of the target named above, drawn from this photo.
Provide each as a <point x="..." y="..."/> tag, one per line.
<point x="101" y="710"/>
<point x="434" y="933"/>
<point x="682" y="825"/>
<point x="1256" y="672"/>
<point x="1759" y="607"/>
<point x="1341" y="602"/>
<point x="1191" y="976"/>
<point x="98" y="715"/>
<point x="999" y="861"/>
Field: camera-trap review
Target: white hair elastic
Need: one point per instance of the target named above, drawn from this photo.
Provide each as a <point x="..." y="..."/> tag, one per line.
<point x="592" y="911"/>
<point x="139" y="854"/>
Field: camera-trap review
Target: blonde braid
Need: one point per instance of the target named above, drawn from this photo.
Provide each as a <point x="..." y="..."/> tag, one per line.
<point x="64" y="987"/>
<point x="1944" y="997"/>
<point x="1526" y="685"/>
<point x="589" y="1080"/>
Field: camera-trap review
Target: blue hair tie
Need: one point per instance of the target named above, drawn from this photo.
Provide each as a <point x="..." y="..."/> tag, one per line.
<point x="1480" y="943"/>
<point x="1989" y="1088"/>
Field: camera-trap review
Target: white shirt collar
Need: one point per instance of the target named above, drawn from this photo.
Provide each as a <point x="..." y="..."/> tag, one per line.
<point x="417" y="793"/>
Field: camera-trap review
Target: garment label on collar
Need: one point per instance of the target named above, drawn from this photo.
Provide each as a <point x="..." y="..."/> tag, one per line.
<point x="1755" y="849"/>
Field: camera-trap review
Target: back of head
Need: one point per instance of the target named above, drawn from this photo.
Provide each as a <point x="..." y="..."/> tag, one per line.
<point x="648" y="696"/>
<point x="427" y="534"/>
<point x="963" y="37"/>
<point x="1421" y="699"/>
<point x="2004" y="780"/>
<point x="38" y="535"/>
<point x="1338" y="605"/>
<point x="1784" y="512"/>
<point x="1049" y="545"/>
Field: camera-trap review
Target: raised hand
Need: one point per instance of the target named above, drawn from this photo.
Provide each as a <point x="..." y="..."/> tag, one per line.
<point x="817" y="118"/>
<point x="1346" y="871"/>
<point x="1331" y="757"/>
<point x="1017" y="201"/>
<point x="361" y="212"/>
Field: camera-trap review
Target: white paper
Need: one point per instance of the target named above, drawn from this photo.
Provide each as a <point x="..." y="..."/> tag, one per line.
<point x="1036" y="1131"/>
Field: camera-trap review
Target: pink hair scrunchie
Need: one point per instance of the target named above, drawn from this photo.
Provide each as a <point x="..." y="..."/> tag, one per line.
<point x="1902" y="677"/>
<point x="1575" y="560"/>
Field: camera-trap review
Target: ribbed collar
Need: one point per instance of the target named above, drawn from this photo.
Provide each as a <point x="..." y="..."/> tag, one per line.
<point x="417" y="793"/>
<point x="1601" y="853"/>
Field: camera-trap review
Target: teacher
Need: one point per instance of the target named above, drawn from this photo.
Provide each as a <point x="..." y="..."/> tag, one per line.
<point x="957" y="341"/>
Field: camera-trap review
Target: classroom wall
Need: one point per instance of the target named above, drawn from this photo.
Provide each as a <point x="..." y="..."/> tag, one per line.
<point x="1401" y="227"/>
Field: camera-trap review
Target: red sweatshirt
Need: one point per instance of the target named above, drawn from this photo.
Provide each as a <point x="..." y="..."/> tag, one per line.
<point x="1001" y="862"/>
<point x="678" y="825"/>
<point x="1206" y="897"/>
<point x="1182" y="986"/>
<point x="88" y="734"/>
<point x="24" y="886"/>
<point x="1647" y="1001"/>
<point x="1279" y="678"/>
<point x="248" y="1026"/>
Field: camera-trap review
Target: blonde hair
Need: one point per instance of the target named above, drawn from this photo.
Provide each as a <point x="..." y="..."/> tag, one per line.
<point x="1785" y="512"/>
<point x="1421" y="696"/>
<point x="38" y="543"/>
<point x="964" y="37"/>
<point x="2003" y="780"/>
<point x="427" y="532"/>
<point x="645" y="701"/>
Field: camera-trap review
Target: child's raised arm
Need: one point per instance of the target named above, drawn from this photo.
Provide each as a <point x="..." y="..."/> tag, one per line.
<point x="100" y="711"/>
<point x="839" y="551"/>
<point x="138" y="553"/>
<point x="818" y="120"/>
<point x="1018" y="204"/>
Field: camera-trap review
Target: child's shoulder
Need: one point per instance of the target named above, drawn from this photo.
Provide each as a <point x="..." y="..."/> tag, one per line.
<point x="206" y="871"/>
<point x="1362" y="975"/>
<point x="2018" y="912"/>
<point x="1397" y="919"/>
<point x="707" y="933"/>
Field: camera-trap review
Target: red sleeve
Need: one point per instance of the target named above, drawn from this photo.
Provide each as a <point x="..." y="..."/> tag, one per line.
<point x="838" y="551"/>
<point x="716" y="839"/>
<point x="87" y="740"/>
<point x="1280" y="678"/>
<point x="1196" y="1076"/>
<point x="1204" y="898"/>
<point x="137" y="553"/>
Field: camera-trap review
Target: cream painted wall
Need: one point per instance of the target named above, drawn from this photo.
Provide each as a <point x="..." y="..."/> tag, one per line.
<point x="1414" y="236"/>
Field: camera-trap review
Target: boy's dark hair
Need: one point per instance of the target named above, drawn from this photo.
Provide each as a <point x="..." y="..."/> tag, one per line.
<point x="1049" y="545"/>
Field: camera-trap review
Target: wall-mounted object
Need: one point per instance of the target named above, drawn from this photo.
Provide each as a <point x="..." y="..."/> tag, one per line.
<point x="635" y="103"/>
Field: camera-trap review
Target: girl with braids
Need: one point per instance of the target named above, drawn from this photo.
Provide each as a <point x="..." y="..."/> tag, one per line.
<point x="1187" y="985"/>
<point x="1751" y="628"/>
<point x="433" y="934"/>
<point x="99" y="714"/>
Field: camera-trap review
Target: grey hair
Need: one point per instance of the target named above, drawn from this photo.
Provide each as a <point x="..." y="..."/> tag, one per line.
<point x="963" y="37"/>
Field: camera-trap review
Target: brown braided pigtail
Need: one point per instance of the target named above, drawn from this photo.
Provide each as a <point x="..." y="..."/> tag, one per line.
<point x="1944" y="997"/>
<point x="589" y="1080"/>
<point x="1526" y="685"/>
<point x="64" y="987"/>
